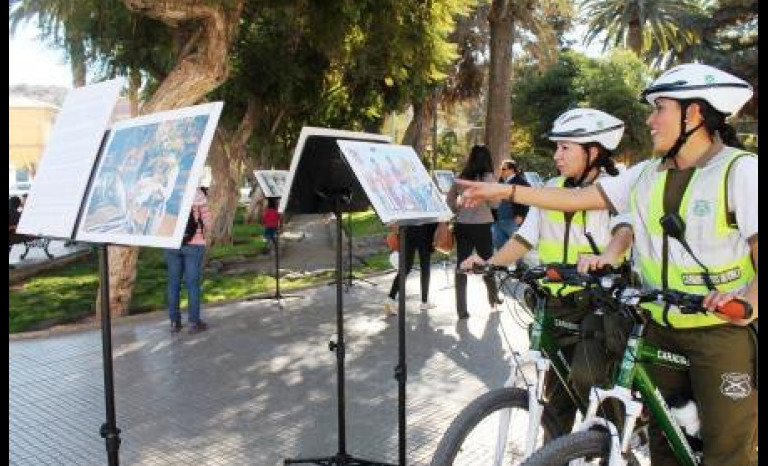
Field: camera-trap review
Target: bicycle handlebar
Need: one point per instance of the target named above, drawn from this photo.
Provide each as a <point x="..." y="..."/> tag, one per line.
<point x="692" y="303"/>
<point x="568" y="275"/>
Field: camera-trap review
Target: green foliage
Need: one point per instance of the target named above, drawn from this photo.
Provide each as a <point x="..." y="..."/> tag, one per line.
<point x="365" y="223"/>
<point x="642" y="25"/>
<point x="611" y="84"/>
<point x="450" y="151"/>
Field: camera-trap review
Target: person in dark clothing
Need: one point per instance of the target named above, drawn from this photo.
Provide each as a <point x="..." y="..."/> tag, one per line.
<point x="417" y="238"/>
<point x="509" y="215"/>
<point x="14" y="215"/>
<point x="473" y="226"/>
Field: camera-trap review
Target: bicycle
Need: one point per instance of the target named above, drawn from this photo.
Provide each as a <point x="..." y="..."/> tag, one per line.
<point x="458" y="445"/>
<point x="598" y="439"/>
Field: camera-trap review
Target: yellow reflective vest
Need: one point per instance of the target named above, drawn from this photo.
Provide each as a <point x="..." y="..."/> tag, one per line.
<point x="562" y="241"/>
<point x="712" y="236"/>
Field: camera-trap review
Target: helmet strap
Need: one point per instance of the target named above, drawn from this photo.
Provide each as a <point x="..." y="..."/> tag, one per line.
<point x="588" y="167"/>
<point x="683" y="137"/>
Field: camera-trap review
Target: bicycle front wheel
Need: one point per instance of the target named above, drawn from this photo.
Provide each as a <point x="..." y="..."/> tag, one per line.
<point x="473" y="437"/>
<point x="593" y="447"/>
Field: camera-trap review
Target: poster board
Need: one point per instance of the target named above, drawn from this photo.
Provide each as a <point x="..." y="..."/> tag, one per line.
<point x="145" y="181"/>
<point x="443" y="179"/>
<point x="64" y="170"/>
<point x="271" y="182"/>
<point x="396" y="182"/>
<point x="319" y="165"/>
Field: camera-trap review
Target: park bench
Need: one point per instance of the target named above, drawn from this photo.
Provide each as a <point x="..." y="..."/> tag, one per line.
<point x="31" y="242"/>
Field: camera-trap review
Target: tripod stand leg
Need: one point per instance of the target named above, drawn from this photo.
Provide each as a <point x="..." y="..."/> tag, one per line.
<point x="278" y="296"/>
<point x="341" y="458"/>
<point x="109" y="431"/>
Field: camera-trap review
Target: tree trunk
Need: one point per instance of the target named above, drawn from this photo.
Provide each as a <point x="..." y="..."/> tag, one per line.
<point x="226" y="171"/>
<point x="227" y="167"/>
<point x="635" y="37"/>
<point x="134" y="85"/>
<point x="196" y="74"/>
<point x="418" y="132"/>
<point x="78" y="73"/>
<point x="77" y="60"/>
<point x="498" y="112"/>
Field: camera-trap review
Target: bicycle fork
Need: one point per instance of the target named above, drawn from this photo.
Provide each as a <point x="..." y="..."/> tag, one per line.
<point x="535" y="392"/>
<point x="620" y="444"/>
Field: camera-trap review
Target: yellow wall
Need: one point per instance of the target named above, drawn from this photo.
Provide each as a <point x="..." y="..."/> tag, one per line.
<point x="29" y="126"/>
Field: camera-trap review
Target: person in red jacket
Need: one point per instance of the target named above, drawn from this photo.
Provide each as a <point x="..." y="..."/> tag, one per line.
<point x="270" y="219"/>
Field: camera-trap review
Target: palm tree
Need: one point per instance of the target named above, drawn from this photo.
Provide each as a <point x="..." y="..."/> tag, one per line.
<point x="56" y="21"/>
<point x="640" y="25"/>
<point x="511" y="22"/>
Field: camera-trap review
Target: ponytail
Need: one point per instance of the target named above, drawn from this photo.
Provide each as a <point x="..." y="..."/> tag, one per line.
<point x="714" y="123"/>
<point x="603" y="160"/>
<point x="610" y="166"/>
<point x="728" y="135"/>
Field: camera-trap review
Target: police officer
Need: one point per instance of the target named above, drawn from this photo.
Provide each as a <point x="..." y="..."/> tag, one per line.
<point x="585" y="138"/>
<point x="704" y="186"/>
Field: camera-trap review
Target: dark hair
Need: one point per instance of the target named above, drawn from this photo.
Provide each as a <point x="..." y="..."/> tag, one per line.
<point x="272" y="202"/>
<point x="714" y="122"/>
<point x="14" y="202"/>
<point x="478" y="164"/>
<point x="604" y="158"/>
<point x="510" y="165"/>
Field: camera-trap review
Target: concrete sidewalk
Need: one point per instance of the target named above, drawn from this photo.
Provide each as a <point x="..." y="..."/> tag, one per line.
<point x="260" y="384"/>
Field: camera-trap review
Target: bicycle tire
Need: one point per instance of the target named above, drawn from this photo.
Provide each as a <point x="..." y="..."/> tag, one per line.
<point x="480" y="409"/>
<point x="592" y="444"/>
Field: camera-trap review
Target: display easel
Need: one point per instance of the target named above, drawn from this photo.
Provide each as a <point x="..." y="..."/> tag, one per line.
<point x="277" y="296"/>
<point x="350" y="278"/>
<point x="74" y="155"/>
<point x="337" y="193"/>
<point x="352" y="162"/>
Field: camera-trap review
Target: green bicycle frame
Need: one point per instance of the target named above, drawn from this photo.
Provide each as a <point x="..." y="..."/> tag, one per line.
<point x="638" y="354"/>
<point x="542" y="339"/>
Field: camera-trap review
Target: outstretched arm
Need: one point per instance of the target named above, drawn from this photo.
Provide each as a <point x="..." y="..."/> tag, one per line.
<point x="562" y="199"/>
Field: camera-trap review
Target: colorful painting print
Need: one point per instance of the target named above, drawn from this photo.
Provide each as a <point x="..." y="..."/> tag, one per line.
<point x="396" y="182"/>
<point x="146" y="179"/>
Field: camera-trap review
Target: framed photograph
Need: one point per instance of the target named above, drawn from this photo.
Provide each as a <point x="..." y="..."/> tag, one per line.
<point x="396" y="182"/>
<point x="443" y="179"/>
<point x="142" y="189"/>
<point x="271" y="182"/>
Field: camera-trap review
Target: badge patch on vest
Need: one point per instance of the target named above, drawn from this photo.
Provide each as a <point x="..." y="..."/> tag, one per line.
<point x="736" y="385"/>
<point x="702" y="208"/>
<point x="726" y="276"/>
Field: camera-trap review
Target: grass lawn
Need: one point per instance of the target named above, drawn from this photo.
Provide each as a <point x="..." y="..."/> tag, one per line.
<point x="68" y="294"/>
<point x="365" y="223"/>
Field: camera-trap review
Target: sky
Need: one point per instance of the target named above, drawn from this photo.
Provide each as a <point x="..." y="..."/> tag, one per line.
<point x="30" y="62"/>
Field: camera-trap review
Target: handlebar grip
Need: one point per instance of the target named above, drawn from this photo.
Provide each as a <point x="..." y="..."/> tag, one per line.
<point x="736" y="309"/>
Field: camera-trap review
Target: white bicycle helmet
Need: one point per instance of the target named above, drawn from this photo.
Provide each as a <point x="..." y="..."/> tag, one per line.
<point x="724" y="92"/>
<point x="584" y="125"/>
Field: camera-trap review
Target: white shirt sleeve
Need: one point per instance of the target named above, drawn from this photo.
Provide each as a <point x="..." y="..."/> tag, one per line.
<point x="619" y="188"/>
<point x="624" y="218"/>
<point x="742" y="194"/>
<point x="529" y="230"/>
